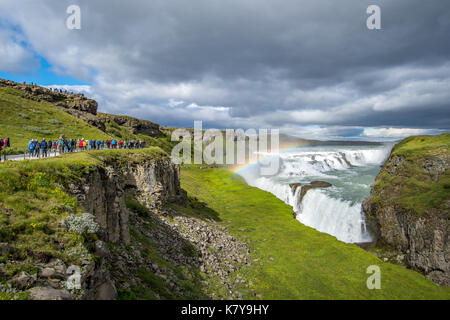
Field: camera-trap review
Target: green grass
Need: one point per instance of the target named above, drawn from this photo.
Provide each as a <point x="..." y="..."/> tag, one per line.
<point x="33" y="202"/>
<point x="417" y="147"/>
<point x="290" y="260"/>
<point x="22" y="120"/>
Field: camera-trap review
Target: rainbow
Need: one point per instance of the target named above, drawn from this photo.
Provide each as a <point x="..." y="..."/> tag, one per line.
<point x="285" y="147"/>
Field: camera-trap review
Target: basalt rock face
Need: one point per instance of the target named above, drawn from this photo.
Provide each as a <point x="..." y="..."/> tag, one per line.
<point x="419" y="230"/>
<point x="102" y="193"/>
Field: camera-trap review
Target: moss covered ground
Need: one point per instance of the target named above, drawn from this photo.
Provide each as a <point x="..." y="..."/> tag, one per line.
<point x="413" y="187"/>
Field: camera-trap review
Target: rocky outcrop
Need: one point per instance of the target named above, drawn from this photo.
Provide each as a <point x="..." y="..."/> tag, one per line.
<point x="136" y="126"/>
<point x="63" y="100"/>
<point x="102" y="192"/>
<point x="405" y="220"/>
<point x="309" y="186"/>
<point x="305" y="188"/>
<point x="75" y="104"/>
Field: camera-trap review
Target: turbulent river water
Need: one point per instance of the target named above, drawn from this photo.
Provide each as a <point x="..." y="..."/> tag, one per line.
<point x="336" y="210"/>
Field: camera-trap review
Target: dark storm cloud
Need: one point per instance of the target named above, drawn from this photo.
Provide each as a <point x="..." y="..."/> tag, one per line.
<point x="254" y="62"/>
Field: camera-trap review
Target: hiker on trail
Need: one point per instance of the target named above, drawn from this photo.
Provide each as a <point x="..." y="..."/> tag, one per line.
<point x="60" y="146"/>
<point x="66" y="146"/>
<point x="4" y="143"/>
<point x="49" y="147"/>
<point x="37" y="148"/>
<point x="31" y="147"/>
<point x="44" y="147"/>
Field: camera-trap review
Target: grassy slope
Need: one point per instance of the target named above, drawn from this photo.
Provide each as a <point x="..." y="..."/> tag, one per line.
<point x="412" y="187"/>
<point x="306" y="264"/>
<point x="22" y="119"/>
<point x="33" y="202"/>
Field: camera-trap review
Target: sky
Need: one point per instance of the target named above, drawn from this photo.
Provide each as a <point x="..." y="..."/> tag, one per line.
<point x="310" y="68"/>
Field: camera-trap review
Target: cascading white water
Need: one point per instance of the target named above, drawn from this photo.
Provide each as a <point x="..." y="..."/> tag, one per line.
<point x="335" y="210"/>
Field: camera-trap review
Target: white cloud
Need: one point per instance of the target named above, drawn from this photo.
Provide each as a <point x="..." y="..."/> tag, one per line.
<point x="288" y="68"/>
<point x="395" y="132"/>
<point x="13" y="56"/>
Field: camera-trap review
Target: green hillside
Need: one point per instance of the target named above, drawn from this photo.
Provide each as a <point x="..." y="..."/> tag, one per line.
<point x="292" y="261"/>
<point x="23" y="119"/>
<point x="413" y="186"/>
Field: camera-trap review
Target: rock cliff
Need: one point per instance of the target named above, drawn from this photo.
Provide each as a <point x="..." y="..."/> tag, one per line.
<point x="409" y="206"/>
<point x="102" y="192"/>
<point x="136" y="126"/>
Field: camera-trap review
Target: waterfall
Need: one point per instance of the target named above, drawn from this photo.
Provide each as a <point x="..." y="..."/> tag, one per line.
<point x="335" y="210"/>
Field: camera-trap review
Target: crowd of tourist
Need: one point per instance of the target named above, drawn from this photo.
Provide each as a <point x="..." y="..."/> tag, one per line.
<point x="45" y="147"/>
<point x="66" y="92"/>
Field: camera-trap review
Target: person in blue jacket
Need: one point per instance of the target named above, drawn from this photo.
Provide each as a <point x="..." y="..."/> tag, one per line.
<point x="44" y="147"/>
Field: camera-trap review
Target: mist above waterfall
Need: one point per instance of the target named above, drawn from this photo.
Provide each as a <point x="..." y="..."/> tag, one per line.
<point x="336" y="210"/>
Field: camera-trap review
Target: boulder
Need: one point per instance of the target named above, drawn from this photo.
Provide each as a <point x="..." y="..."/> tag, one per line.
<point x="306" y="187"/>
<point x="106" y="291"/>
<point x="101" y="249"/>
<point x="23" y="281"/>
